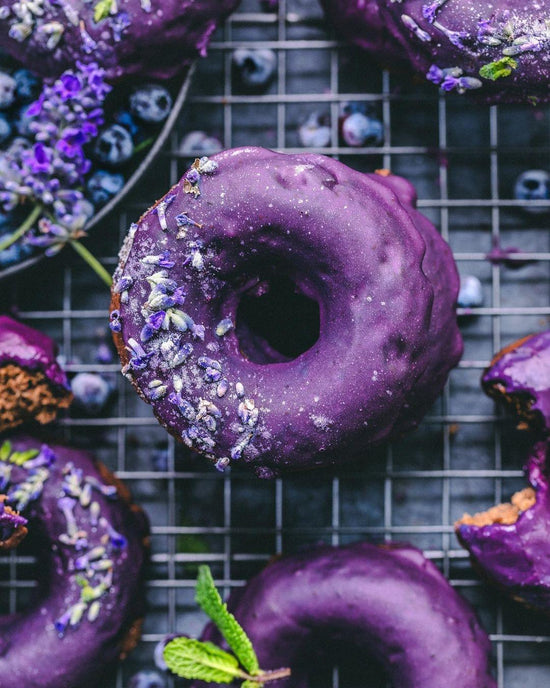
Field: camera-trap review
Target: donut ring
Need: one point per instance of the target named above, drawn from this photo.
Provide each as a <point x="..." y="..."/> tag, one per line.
<point x="386" y="602"/>
<point x="132" y="38"/>
<point x="498" y="51"/>
<point x="508" y="543"/>
<point x="91" y="543"/>
<point x="383" y="280"/>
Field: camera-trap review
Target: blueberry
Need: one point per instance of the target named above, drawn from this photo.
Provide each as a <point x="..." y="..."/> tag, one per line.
<point x="16" y="253"/>
<point x="27" y="85"/>
<point x="315" y="132"/>
<point x="91" y="392"/>
<point x="125" y="119"/>
<point x="7" y="90"/>
<point x="159" y="460"/>
<point x="104" y="353"/>
<point x="254" y="69"/>
<point x="360" y="130"/>
<point x="114" y="146"/>
<point x="103" y="185"/>
<point x="533" y="185"/>
<point x="147" y="679"/>
<point x="5" y="128"/>
<point x="22" y="121"/>
<point x="471" y="292"/>
<point x="151" y="103"/>
<point x="199" y="144"/>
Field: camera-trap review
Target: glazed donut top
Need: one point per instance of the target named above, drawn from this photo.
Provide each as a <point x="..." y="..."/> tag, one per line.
<point x="384" y="281"/>
<point x="519" y="375"/>
<point x="149" y="38"/>
<point x="89" y="541"/>
<point x="499" y="51"/>
<point x="361" y="601"/>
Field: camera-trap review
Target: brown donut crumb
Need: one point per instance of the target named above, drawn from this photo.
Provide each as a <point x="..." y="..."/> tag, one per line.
<point x="506" y="514"/>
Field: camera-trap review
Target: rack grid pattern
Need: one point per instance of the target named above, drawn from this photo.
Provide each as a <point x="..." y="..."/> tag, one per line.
<point x="463" y="159"/>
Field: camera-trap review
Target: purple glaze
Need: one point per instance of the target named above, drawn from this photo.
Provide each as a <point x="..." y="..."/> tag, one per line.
<point x="34" y="653"/>
<point x="148" y="38"/>
<point x="460" y="35"/>
<point x="359" y="601"/>
<point x="516" y="557"/>
<point x="386" y="286"/>
<point x="520" y="375"/>
<point x="30" y="349"/>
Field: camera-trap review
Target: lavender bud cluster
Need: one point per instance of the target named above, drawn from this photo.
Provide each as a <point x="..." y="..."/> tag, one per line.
<point x="49" y="170"/>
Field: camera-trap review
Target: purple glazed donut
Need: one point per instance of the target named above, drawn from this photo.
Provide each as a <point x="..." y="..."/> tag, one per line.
<point x="149" y="38"/>
<point x="519" y="375"/>
<point x="361" y="601"/>
<point x="509" y="543"/>
<point x="500" y="51"/>
<point x="91" y="547"/>
<point x="252" y="230"/>
<point x="32" y="385"/>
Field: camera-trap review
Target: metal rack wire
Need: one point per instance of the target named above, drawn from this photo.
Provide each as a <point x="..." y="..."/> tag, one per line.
<point x="462" y="158"/>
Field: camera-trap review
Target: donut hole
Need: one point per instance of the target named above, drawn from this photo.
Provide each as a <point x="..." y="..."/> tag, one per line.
<point x="276" y="322"/>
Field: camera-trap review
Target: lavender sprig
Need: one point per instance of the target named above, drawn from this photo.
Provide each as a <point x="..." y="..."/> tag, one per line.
<point x="48" y="172"/>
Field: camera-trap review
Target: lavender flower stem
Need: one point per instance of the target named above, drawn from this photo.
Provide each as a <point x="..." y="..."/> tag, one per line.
<point x="92" y="261"/>
<point x="22" y="230"/>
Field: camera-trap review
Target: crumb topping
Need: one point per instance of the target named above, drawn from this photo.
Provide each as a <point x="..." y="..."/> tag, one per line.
<point x="505" y="514"/>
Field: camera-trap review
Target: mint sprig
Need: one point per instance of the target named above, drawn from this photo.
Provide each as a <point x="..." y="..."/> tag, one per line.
<point x="498" y="69"/>
<point x="102" y="10"/>
<point x="195" y="659"/>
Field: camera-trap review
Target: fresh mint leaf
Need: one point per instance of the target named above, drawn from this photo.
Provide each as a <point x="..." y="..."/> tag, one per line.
<point x="251" y="684"/>
<point x="5" y="450"/>
<point x="498" y="69"/>
<point x="21" y="457"/>
<point x="193" y="659"/>
<point x="211" y="603"/>
<point x="102" y="10"/>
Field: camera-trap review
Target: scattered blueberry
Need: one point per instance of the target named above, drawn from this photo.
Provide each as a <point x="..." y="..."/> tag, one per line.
<point x="5" y="128"/>
<point x="114" y="146"/>
<point x="159" y="460"/>
<point x="199" y="144"/>
<point x="103" y="185"/>
<point x="533" y="185"/>
<point x="360" y="130"/>
<point x="22" y="121"/>
<point x="104" y="353"/>
<point x="91" y="392"/>
<point x="470" y="294"/>
<point x="350" y="107"/>
<point x="27" y="85"/>
<point x="7" y="90"/>
<point x="254" y="69"/>
<point x="151" y="103"/>
<point x="126" y="120"/>
<point x="147" y="679"/>
<point x="15" y="253"/>
<point x="315" y="132"/>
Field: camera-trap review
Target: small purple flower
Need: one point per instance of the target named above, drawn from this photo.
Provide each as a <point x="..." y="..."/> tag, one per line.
<point x="119" y="22"/>
<point x="115" y="323"/>
<point x="138" y="356"/>
<point x="152" y="325"/>
<point x="116" y="539"/>
<point x="46" y="458"/>
<point x="435" y="74"/>
<point x="193" y="176"/>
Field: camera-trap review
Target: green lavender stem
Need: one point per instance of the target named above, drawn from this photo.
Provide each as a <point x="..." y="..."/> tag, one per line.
<point x="22" y="230"/>
<point x="92" y="261"/>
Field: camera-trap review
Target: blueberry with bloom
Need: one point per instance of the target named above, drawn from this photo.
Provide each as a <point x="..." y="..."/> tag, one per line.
<point x="48" y="172"/>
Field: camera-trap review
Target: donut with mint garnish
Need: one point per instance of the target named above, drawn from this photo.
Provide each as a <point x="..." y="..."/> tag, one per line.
<point x="146" y="38"/>
<point x="349" y="605"/>
<point x="91" y="545"/>
<point x="284" y="311"/>
<point x="499" y="52"/>
<point x="33" y="387"/>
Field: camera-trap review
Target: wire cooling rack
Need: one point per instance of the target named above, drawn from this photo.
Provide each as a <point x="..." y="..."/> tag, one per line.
<point x="463" y="159"/>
